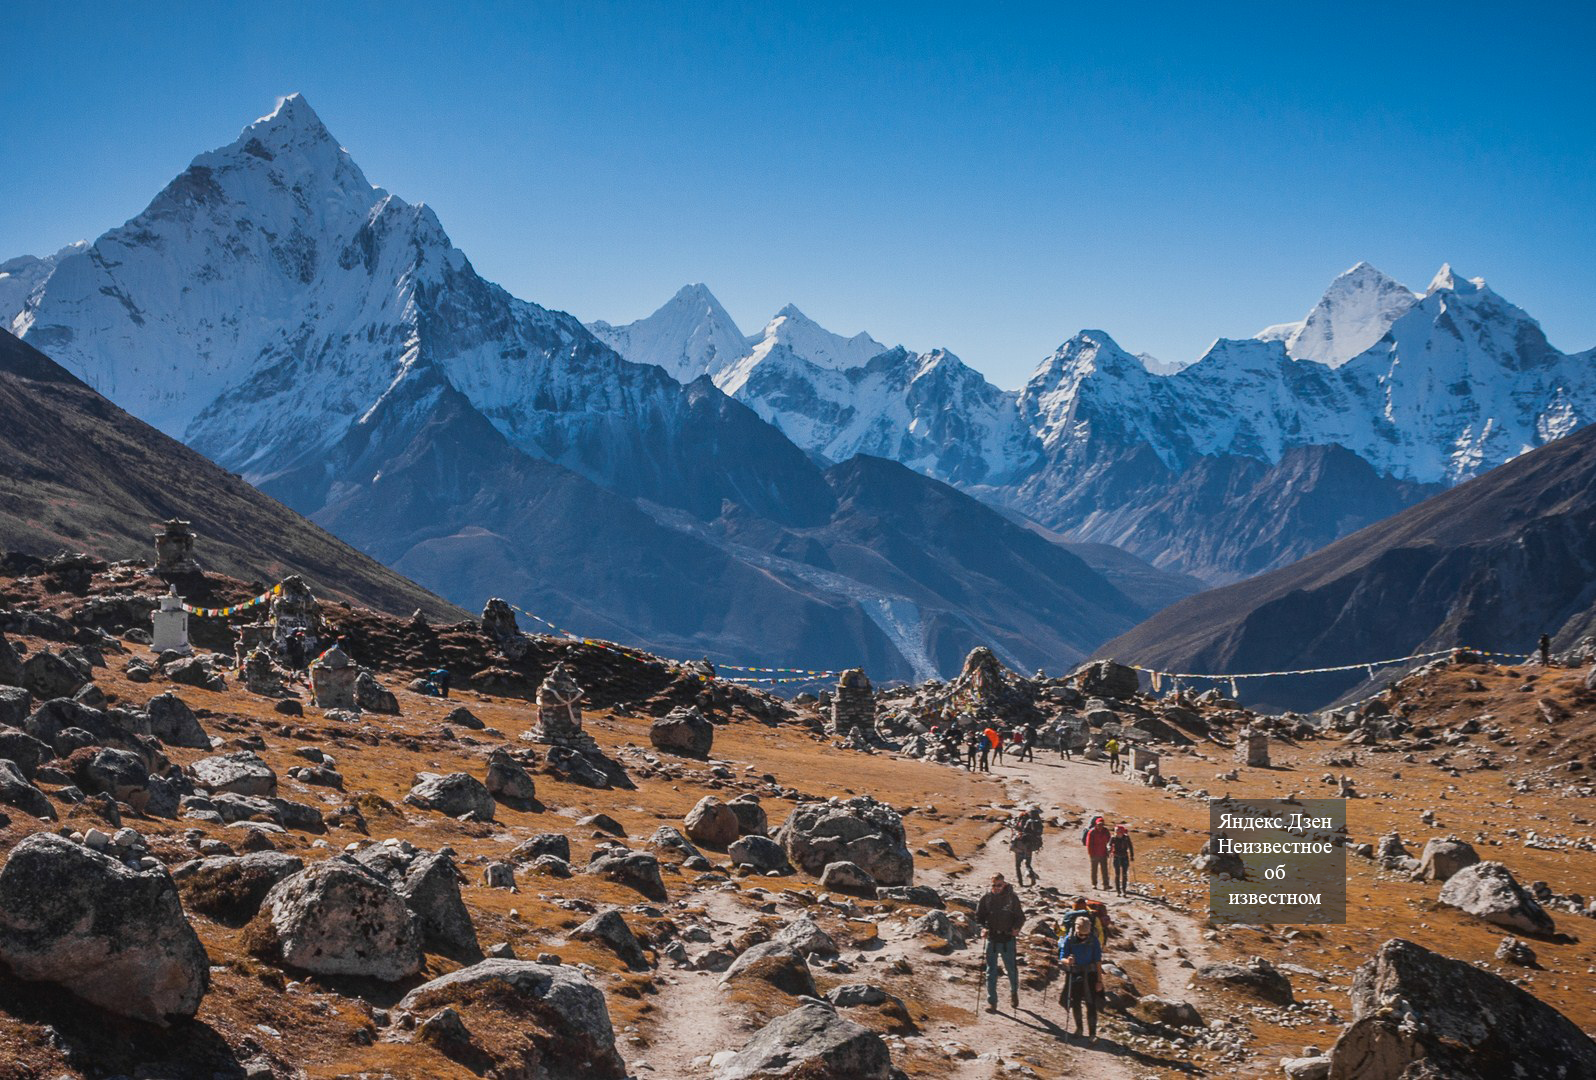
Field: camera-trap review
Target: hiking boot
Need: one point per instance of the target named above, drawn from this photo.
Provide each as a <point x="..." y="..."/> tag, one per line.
<point x="991" y="1007"/>
<point x="1014" y="999"/>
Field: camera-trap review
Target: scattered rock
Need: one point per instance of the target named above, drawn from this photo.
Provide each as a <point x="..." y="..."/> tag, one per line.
<point x="1489" y="891"/>
<point x="371" y="696"/>
<point x="712" y="822"/>
<point x="115" y="937"/>
<point x="1514" y="951"/>
<point x="775" y="963"/>
<point x="1442" y="858"/>
<point x="454" y="795"/>
<point x="1107" y="679"/>
<point x="814" y="1043"/>
<point x="341" y="918"/>
<point x="508" y="779"/>
<point x="635" y="870"/>
<point x="608" y="928"/>
<point x="761" y="853"/>
<point x="46" y="675"/>
<point x="572" y="1023"/>
<point x="240" y="773"/>
<point x="858" y="830"/>
<point x="174" y="723"/>
<point x="1420" y="1014"/>
<point x="230" y="889"/>
<point x="751" y="818"/>
<point x="1258" y="978"/>
<point x="684" y="730"/>
<point x="16" y="791"/>
<point x="557" y="844"/>
<point x="848" y="877"/>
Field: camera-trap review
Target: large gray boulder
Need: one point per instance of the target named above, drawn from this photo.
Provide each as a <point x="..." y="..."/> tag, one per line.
<point x="712" y="822"/>
<point x="814" y="1043"/>
<point x="1107" y="679"/>
<point x="230" y="888"/>
<point x="453" y="794"/>
<point x="760" y="853"/>
<point x="15" y="705"/>
<point x="570" y="1024"/>
<point x="634" y="869"/>
<point x="774" y="963"/>
<point x="751" y="817"/>
<point x="115" y="937"/>
<point x="858" y="830"/>
<point x="1489" y="891"/>
<point x="18" y="746"/>
<point x="239" y="773"/>
<point x="608" y="928"/>
<point x="429" y="884"/>
<point x="1443" y="857"/>
<point x="373" y="697"/>
<point x="1257" y="978"/>
<point x="16" y="791"/>
<point x="684" y="730"/>
<point x="10" y="664"/>
<point x="341" y="918"/>
<point x="508" y="779"/>
<point x="174" y="723"/>
<point x="120" y="774"/>
<point x="47" y="676"/>
<point x="1417" y="1013"/>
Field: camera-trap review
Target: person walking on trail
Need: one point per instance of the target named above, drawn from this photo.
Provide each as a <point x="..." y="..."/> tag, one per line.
<point x="440" y="678"/>
<point x="1080" y="954"/>
<point x="1123" y="851"/>
<point x="1095" y="839"/>
<point x="1026" y="841"/>
<point x="1545" y="645"/>
<point x="1114" y="765"/>
<point x="1000" y="916"/>
<point x="974" y="750"/>
<point x="997" y="743"/>
<point x="1066" y="741"/>
<point x="295" y="648"/>
<point x="1027" y="743"/>
<point x="983" y="741"/>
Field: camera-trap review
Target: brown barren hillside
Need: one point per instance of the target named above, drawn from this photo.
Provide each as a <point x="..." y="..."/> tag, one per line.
<point x="81" y="475"/>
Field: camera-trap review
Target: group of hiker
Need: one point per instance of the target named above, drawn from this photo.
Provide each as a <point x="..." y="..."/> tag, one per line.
<point x="979" y="747"/>
<point x="1083" y="930"/>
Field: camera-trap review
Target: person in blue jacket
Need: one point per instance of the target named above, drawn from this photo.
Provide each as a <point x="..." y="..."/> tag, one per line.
<point x="1081" y="956"/>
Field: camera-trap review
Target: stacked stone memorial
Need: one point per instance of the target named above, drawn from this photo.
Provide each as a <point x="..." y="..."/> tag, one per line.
<point x="1252" y="747"/>
<point x="332" y="680"/>
<point x="174" y="548"/>
<point x="854" y="705"/>
<point x="560" y="713"/>
<point x="169" y="626"/>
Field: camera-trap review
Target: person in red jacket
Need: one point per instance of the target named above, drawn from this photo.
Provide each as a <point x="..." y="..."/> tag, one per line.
<point x="1096" y="839"/>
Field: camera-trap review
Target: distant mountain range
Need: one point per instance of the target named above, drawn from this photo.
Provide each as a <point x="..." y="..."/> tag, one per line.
<point x="1491" y="564"/>
<point x="1260" y="452"/>
<point x="324" y="339"/>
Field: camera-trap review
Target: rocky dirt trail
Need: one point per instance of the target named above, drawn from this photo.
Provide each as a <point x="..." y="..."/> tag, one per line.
<point x="1035" y="1036"/>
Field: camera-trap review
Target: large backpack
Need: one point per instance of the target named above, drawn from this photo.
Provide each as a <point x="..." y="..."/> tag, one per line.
<point x="1102" y="925"/>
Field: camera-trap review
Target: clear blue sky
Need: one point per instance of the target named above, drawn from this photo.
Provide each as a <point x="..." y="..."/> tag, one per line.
<point x="981" y="177"/>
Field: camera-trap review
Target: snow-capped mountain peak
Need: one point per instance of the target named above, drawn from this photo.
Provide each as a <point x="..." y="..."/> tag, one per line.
<point x="1448" y="279"/>
<point x="792" y="329"/>
<point x="1355" y="312"/>
<point x="690" y="335"/>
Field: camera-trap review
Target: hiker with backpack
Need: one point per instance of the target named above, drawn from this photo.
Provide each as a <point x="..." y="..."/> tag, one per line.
<point x="1026" y="841"/>
<point x="1027" y="743"/>
<point x="973" y="750"/>
<point x="984" y="741"/>
<point x="1123" y="851"/>
<point x="1114" y="765"/>
<point x="1080" y="954"/>
<point x="1096" y="841"/>
<point x="1000" y="916"/>
<point x="998" y="738"/>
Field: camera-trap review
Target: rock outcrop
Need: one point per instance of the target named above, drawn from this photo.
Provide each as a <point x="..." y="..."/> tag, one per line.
<point x="858" y="830"/>
<point x="814" y="1043"/>
<point x="341" y="918"/>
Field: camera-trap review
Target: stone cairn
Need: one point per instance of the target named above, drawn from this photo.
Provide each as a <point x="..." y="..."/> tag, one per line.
<point x="169" y="625"/>
<point x="332" y="680"/>
<point x="174" y="548"/>
<point x="854" y="704"/>
<point x="260" y="674"/>
<point x="1252" y="747"/>
<point x="560" y="713"/>
<point x="294" y="608"/>
<point x="498" y="623"/>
